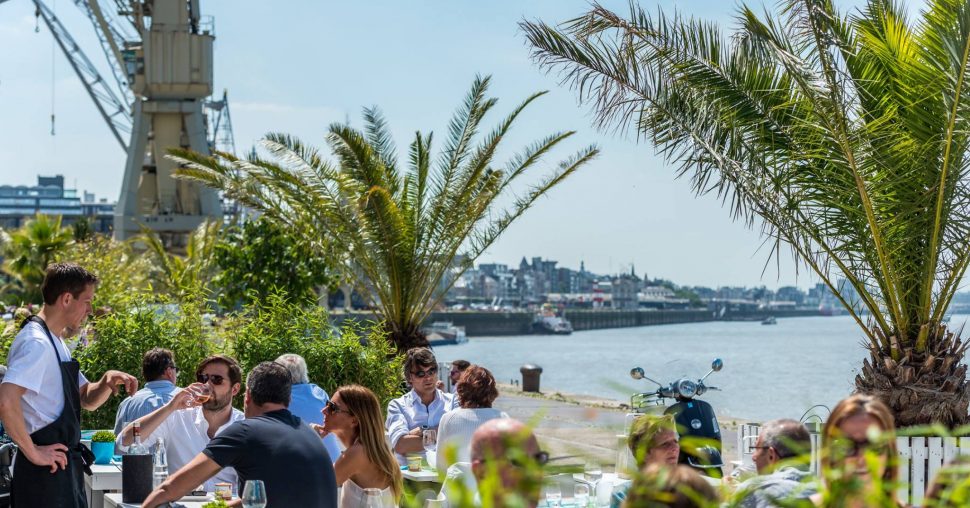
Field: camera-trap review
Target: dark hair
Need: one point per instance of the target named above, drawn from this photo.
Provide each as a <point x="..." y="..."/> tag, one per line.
<point x="476" y="387"/>
<point x="63" y="278"/>
<point x="420" y="356"/>
<point x="269" y="382"/>
<point x="235" y="373"/>
<point x="461" y="365"/>
<point x="155" y="362"/>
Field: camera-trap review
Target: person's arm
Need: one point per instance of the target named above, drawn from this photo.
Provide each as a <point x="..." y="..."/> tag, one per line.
<point x="97" y="393"/>
<point x="182" y="400"/>
<point x="403" y="440"/>
<point x="193" y="474"/>
<point x="12" y="415"/>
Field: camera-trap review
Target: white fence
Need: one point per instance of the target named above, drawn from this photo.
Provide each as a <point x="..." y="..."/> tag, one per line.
<point x="920" y="458"/>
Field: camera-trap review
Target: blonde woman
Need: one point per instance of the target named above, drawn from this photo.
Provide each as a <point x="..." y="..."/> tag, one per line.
<point x="353" y="415"/>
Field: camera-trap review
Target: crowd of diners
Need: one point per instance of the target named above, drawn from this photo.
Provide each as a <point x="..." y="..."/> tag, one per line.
<point x="314" y="449"/>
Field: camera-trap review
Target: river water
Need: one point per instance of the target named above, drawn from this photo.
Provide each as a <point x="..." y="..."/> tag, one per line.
<point x="769" y="371"/>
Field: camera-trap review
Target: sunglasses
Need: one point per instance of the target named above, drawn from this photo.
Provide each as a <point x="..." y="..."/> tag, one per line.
<point x="334" y="409"/>
<point x="216" y="379"/>
<point x="853" y="448"/>
<point x="173" y="367"/>
<point x="541" y="458"/>
<point x="421" y="374"/>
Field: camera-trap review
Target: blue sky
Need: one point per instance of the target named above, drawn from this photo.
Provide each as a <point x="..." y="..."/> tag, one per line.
<point x="297" y="66"/>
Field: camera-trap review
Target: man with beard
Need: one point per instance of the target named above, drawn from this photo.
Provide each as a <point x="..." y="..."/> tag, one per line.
<point x="44" y="390"/>
<point x="188" y="425"/>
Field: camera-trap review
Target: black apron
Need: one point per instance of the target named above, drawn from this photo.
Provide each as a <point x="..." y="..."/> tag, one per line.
<point x="35" y="486"/>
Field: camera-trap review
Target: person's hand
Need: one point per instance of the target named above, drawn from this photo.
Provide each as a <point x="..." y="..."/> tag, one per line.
<point x="417" y="431"/>
<point x="48" y="455"/>
<point x="440" y="385"/>
<point x="319" y="430"/>
<point x="113" y="378"/>
<point x="185" y="398"/>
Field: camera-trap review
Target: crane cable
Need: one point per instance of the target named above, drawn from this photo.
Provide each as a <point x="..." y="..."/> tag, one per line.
<point x="53" y="68"/>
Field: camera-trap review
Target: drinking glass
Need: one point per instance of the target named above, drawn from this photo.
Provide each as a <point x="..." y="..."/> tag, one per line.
<point x="581" y="494"/>
<point x="201" y="392"/>
<point x="593" y="471"/>
<point x="254" y="494"/>
<point x="604" y="491"/>
<point x="373" y="498"/>
<point x="435" y="503"/>
<point x="429" y="438"/>
<point x="553" y="495"/>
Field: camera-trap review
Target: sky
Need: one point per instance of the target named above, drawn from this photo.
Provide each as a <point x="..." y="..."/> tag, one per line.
<point x="300" y="65"/>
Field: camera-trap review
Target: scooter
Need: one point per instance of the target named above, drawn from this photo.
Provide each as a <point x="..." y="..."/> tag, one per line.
<point x="696" y="422"/>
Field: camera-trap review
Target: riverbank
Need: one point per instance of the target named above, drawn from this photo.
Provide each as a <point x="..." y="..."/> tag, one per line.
<point x="574" y="427"/>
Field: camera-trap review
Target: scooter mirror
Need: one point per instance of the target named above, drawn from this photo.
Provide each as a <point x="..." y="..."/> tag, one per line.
<point x="637" y="373"/>
<point x="717" y="365"/>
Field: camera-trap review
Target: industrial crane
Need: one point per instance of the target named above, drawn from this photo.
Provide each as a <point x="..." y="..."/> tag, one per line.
<point x="160" y="55"/>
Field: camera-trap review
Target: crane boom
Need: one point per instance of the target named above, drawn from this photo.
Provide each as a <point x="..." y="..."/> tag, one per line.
<point x="113" y="42"/>
<point x="115" y="111"/>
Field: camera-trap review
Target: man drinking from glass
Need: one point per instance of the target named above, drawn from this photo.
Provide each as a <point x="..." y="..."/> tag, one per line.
<point x="194" y="416"/>
<point x="421" y="408"/>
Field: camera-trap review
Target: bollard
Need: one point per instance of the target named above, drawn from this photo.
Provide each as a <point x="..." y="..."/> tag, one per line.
<point x="530" y="377"/>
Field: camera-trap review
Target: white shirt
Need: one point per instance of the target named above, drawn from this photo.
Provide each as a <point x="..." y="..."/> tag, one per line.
<point x="455" y="433"/>
<point x="33" y="365"/>
<point x="408" y="412"/>
<point x="186" y="434"/>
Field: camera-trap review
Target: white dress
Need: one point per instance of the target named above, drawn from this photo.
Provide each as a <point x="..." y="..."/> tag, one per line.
<point x="455" y="433"/>
<point x="352" y="496"/>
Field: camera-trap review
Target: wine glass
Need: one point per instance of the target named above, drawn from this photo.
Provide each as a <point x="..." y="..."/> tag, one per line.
<point x="429" y="438"/>
<point x="201" y="393"/>
<point x="254" y="494"/>
<point x="593" y="471"/>
<point x="373" y="498"/>
<point x="553" y="495"/>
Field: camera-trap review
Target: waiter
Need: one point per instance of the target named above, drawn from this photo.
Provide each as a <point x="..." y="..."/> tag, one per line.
<point x="43" y="392"/>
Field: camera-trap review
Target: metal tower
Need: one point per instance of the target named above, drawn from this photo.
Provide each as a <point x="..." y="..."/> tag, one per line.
<point x="160" y="54"/>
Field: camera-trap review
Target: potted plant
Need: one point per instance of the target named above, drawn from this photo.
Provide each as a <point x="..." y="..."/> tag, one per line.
<point x="103" y="446"/>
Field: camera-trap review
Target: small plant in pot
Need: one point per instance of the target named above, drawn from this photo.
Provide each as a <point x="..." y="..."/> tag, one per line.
<point x="103" y="446"/>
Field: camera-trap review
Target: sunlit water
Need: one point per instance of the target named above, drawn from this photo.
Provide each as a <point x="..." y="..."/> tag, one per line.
<point x="769" y="371"/>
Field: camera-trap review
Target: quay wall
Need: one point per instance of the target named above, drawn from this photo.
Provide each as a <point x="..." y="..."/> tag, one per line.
<point x="520" y="323"/>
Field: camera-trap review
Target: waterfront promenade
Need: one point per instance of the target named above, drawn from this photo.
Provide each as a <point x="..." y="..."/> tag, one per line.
<point x="572" y="428"/>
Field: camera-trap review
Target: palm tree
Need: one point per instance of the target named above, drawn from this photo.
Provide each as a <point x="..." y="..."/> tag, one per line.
<point x="405" y="232"/>
<point x="184" y="277"/>
<point x="846" y="134"/>
<point x="27" y="252"/>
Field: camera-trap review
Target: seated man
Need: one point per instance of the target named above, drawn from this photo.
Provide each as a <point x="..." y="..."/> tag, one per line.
<point x="780" y="455"/>
<point x="653" y="441"/>
<point x="420" y="408"/>
<point x="507" y="463"/>
<point x="307" y="400"/>
<point x="159" y="370"/>
<point x="187" y="426"/>
<point x="270" y="445"/>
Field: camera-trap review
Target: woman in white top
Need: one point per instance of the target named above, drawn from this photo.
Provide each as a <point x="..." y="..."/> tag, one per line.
<point x="353" y="414"/>
<point x="476" y="391"/>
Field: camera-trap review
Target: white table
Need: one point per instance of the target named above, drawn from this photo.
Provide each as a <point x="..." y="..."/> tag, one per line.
<point x="113" y="500"/>
<point x="424" y="475"/>
<point x="103" y="478"/>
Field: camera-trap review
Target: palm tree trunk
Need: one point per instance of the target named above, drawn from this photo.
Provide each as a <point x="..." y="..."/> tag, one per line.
<point x="923" y="386"/>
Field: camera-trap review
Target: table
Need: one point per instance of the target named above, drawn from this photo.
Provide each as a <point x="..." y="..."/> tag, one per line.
<point x="424" y="475"/>
<point x="113" y="500"/>
<point x="104" y="477"/>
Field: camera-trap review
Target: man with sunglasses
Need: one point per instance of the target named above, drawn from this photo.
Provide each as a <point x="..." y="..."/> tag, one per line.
<point x="419" y="409"/>
<point x="187" y="424"/>
<point x="507" y="461"/>
<point x="159" y="371"/>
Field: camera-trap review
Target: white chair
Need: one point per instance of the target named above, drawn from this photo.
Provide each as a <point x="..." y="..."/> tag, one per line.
<point x="458" y="476"/>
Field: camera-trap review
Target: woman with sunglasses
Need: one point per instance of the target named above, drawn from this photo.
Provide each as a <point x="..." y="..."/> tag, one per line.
<point x="353" y="415"/>
<point x="419" y="409"/>
<point x="858" y="457"/>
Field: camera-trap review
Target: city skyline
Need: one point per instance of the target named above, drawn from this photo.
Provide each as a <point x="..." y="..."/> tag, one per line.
<point x="626" y="207"/>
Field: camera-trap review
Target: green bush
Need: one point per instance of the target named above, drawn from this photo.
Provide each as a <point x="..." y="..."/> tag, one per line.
<point x="121" y="338"/>
<point x="103" y="436"/>
<point x="265" y="330"/>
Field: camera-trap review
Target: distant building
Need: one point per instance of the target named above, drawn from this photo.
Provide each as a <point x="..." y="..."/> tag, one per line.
<point x="20" y="203"/>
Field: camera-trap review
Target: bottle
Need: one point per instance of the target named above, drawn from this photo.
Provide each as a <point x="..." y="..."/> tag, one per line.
<point x="137" y="447"/>
<point x="160" y="471"/>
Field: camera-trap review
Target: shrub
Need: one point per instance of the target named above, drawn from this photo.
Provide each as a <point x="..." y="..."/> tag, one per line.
<point x="103" y="436"/>
<point x="265" y="330"/>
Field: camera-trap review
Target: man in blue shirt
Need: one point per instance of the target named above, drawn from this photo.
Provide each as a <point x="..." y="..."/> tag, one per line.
<point x="307" y="400"/>
<point x="158" y="368"/>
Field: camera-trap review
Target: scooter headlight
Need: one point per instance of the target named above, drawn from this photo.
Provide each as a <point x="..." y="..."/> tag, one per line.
<point x="687" y="388"/>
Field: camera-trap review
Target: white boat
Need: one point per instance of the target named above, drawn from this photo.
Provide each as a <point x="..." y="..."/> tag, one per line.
<point x="548" y="321"/>
<point x="444" y="333"/>
<point x="770" y="320"/>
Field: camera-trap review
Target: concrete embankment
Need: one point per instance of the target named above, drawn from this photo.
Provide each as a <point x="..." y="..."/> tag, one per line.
<point x="574" y="427"/>
<point x="478" y="323"/>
